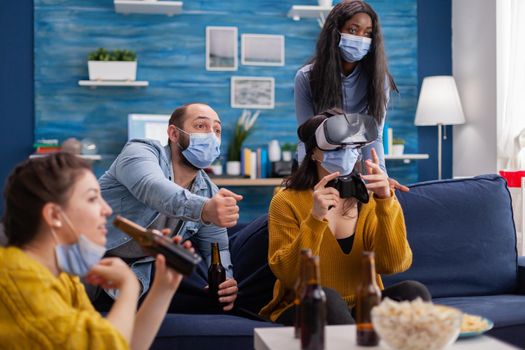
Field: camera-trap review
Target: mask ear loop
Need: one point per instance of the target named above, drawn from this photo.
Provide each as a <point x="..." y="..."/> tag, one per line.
<point x="69" y="225"/>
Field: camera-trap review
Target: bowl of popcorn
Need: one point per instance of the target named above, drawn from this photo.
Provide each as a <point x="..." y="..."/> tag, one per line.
<point x="416" y="325"/>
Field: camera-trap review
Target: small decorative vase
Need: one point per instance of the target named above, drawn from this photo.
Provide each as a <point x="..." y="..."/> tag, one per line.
<point x="397" y="150"/>
<point x="274" y="151"/>
<point x="233" y="168"/>
<point x="287" y="156"/>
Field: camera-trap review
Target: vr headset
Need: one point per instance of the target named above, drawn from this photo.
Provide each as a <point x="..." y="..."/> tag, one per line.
<point x="347" y="130"/>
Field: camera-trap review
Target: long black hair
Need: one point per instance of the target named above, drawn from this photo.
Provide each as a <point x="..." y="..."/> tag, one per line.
<point x="325" y="76"/>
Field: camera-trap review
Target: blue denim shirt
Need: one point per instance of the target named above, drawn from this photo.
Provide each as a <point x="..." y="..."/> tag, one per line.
<point x="355" y="100"/>
<point x="139" y="186"/>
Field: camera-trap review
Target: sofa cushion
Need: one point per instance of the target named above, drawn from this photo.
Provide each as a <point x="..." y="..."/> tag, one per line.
<point x="462" y="237"/>
<point x="249" y="253"/>
<point x="504" y="310"/>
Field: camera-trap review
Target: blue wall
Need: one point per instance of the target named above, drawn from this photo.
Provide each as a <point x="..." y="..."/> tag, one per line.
<point x="171" y="54"/>
<point x="434" y="58"/>
<point x="16" y="70"/>
<point x="16" y="85"/>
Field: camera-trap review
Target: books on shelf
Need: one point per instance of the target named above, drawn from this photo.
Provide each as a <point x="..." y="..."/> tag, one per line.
<point x="388" y="138"/>
<point x="255" y="163"/>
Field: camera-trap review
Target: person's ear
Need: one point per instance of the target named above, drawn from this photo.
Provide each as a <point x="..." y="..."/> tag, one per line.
<point x="173" y="134"/>
<point x="51" y="215"/>
<point x="317" y="155"/>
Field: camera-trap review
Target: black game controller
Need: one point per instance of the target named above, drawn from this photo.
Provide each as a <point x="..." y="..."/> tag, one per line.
<point x="350" y="186"/>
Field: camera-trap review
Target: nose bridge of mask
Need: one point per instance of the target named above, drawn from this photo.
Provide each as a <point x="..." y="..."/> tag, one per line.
<point x="357" y="38"/>
<point x="200" y="135"/>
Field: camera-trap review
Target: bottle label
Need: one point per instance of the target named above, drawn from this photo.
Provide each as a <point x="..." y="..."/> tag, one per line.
<point x="365" y="327"/>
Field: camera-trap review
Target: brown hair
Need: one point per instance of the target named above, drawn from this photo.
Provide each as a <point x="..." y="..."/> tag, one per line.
<point x="31" y="185"/>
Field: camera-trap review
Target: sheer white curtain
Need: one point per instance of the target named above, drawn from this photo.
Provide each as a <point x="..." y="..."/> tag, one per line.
<point x="511" y="84"/>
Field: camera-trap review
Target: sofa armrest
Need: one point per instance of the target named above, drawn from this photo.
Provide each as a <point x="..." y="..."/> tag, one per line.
<point x="521" y="275"/>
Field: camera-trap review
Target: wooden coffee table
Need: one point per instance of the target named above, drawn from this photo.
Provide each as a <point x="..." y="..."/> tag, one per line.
<point x="343" y="337"/>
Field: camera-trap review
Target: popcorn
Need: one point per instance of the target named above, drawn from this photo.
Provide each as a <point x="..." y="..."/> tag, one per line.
<point x="416" y="325"/>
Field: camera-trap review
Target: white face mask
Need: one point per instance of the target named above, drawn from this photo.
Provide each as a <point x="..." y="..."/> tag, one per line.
<point x="341" y="160"/>
<point x="78" y="258"/>
<point x="353" y="47"/>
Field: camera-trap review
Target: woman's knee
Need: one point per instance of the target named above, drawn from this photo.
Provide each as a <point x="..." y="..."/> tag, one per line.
<point x="337" y="311"/>
<point x="410" y="290"/>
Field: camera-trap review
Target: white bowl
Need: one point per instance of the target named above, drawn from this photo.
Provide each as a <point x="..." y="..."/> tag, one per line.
<point x="416" y="325"/>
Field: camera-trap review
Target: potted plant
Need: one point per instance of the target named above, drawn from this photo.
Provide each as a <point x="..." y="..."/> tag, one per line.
<point x="112" y="65"/>
<point x="398" y="146"/>
<point x="243" y="129"/>
<point x="287" y="150"/>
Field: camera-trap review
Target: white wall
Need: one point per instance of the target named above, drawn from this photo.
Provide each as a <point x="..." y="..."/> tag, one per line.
<point x="474" y="67"/>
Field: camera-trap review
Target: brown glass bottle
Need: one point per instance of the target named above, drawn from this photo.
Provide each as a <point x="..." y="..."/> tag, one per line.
<point x="313" y="309"/>
<point x="299" y="289"/>
<point x="368" y="295"/>
<point x="216" y="272"/>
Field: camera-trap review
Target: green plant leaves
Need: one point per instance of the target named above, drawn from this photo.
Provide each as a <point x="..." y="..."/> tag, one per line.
<point x="102" y="54"/>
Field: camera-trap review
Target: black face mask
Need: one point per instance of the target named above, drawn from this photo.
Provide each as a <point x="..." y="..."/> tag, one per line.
<point x="350" y="186"/>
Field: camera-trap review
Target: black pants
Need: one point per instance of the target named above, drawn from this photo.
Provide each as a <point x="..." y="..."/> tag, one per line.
<point x="337" y="311"/>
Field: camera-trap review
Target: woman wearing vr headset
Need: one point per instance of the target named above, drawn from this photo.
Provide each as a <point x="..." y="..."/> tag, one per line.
<point x="309" y="213"/>
<point x="55" y="220"/>
<point x="348" y="71"/>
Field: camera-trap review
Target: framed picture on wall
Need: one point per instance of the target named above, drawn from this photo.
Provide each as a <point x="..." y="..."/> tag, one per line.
<point x="262" y="50"/>
<point x="253" y="92"/>
<point x="221" y="48"/>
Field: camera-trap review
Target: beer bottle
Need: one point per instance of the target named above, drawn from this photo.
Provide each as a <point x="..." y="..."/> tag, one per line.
<point x="299" y="289"/>
<point x="368" y="295"/>
<point x="313" y="308"/>
<point x="216" y="272"/>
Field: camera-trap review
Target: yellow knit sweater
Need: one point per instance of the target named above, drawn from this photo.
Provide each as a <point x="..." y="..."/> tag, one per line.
<point x="380" y="227"/>
<point x="41" y="311"/>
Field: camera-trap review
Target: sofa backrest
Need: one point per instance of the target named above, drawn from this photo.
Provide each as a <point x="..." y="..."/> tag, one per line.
<point x="462" y="237"/>
<point x="249" y="254"/>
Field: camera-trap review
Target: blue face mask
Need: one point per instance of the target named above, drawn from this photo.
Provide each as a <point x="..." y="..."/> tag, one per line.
<point x="203" y="149"/>
<point x="342" y="160"/>
<point x="78" y="258"/>
<point x="353" y="47"/>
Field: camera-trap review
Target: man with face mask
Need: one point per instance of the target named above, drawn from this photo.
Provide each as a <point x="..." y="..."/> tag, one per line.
<point x="162" y="187"/>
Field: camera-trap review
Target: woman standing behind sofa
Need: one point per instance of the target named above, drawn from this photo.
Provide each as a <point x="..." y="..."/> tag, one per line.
<point x="55" y="222"/>
<point x="300" y="217"/>
<point x="348" y="71"/>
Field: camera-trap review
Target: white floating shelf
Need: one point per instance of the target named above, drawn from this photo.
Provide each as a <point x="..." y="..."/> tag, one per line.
<point x="84" y="156"/>
<point x="95" y="83"/>
<point x="152" y="7"/>
<point x="406" y="158"/>
<point x="308" y="11"/>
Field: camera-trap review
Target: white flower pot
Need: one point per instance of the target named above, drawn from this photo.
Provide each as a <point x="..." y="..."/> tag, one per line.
<point x="397" y="150"/>
<point x="112" y="70"/>
<point x="233" y="168"/>
<point x="325" y="3"/>
<point x="287" y="156"/>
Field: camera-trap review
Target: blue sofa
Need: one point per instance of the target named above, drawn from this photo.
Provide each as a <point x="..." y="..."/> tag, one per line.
<point x="463" y="240"/>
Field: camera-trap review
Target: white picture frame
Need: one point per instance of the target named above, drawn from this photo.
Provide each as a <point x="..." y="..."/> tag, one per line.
<point x="252" y="92"/>
<point x="262" y="50"/>
<point x="221" y="48"/>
